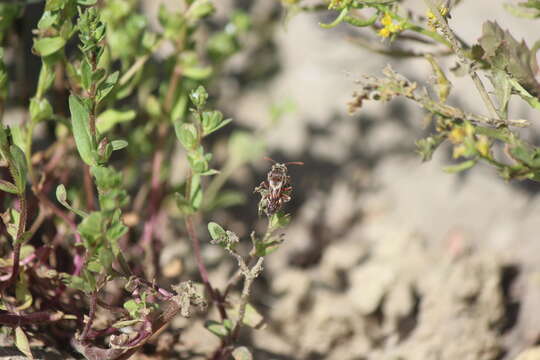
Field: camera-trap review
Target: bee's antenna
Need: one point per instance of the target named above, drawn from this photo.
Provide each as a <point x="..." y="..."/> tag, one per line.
<point x="294" y="163"/>
<point x="270" y="159"/>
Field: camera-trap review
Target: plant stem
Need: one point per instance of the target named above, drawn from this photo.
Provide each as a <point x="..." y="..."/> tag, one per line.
<point x="449" y="35"/>
<point x="91" y="316"/>
<point x="202" y="268"/>
<point x="249" y="276"/>
<point x="21" y="228"/>
<point x="89" y="189"/>
<point x="29" y="319"/>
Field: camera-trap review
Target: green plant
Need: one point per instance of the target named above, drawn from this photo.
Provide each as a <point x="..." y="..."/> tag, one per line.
<point x="85" y="244"/>
<point x="510" y="66"/>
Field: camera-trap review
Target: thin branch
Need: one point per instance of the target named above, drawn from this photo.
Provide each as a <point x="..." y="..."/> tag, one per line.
<point x="91" y="316"/>
<point x="463" y="60"/>
<point x="202" y="268"/>
<point x="21" y="228"/>
<point x="249" y="276"/>
<point x="29" y="319"/>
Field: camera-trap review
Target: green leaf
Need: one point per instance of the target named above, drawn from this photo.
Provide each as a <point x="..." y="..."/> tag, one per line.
<point x="119" y="144"/>
<point x="242" y="353"/>
<point x="200" y="9"/>
<point x="221" y="330"/>
<point x="209" y="172"/>
<point x="86" y="74"/>
<point x="61" y="196"/>
<point x="106" y="87"/>
<point x="213" y="121"/>
<point x="8" y="187"/>
<point x="252" y="317"/>
<point x="19" y="162"/>
<point x="525" y="95"/>
<point x="187" y="134"/>
<point x="84" y="140"/>
<point x="197" y="72"/>
<point x="49" y="45"/>
<point x="279" y="220"/>
<point x="106" y="258"/>
<point x="217" y="233"/>
<point x="76" y="282"/>
<point x="183" y="204"/>
<point x="21" y="341"/>
<point x="87" y="2"/>
<point x="40" y="109"/>
<point x="133" y="307"/>
<point x="109" y="118"/>
<point x="460" y="167"/>
<point x="503" y="90"/>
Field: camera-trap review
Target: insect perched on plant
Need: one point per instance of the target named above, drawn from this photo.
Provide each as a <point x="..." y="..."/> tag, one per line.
<point x="277" y="189"/>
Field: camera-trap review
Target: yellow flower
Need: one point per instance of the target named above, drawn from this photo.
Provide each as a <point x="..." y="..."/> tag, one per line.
<point x="386" y="20"/>
<point x="384" y="32"/>
<point x="457" y="135"/>
<point x="389" y="27"/>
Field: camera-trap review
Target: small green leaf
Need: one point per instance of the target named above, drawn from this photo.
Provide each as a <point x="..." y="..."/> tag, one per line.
<point x="49" y="45"/>
<point x="109" y="118"/>
<point x="187" y="134"/>
<point x="183" y="204"/>
<point x="21" y="341"/>
<point x="61" y="196"/>
<point x="217" y="328"/>
<point x="242" y="353"/>
<point x="19" y="162"/>
<point x="252" y="317"/>
<point x="86" y="2"/>
<point x="86" y="74"/>
<point x="460" y="167"/>
<point x="200" y="9"/>
<point x="216" y="231"/>
<point x="8" y="187"/>
<point x="106" y="258"/>
<point x="106" y="87"/>
<point x="197" y="72"/>
<point x="133" y="307"/>
<point x="81" y="131"/>
<point x="209" y="172"/>
<point x="119" y="144"/>
<point x="40" y="109"/>
<point x="279" y="220"/>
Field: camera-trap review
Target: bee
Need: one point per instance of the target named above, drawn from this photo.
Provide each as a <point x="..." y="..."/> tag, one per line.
<point x="277" y="189"/>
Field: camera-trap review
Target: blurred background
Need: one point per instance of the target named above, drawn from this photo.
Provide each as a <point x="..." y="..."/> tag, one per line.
<point x="386" y="257"/>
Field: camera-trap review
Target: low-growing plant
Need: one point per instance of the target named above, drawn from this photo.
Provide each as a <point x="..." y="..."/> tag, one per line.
<point x="84" y="208"/>
<point x="510" y="66"/>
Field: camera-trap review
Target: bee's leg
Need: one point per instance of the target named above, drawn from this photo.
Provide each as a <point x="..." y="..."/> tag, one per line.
<point x="262" y="187"/>
<point x="285" y="198"/>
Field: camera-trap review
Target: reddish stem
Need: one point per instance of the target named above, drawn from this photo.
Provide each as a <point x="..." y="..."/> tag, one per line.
<point x="28" y="319"/>
<point x="17" y="248"/>
<point x="91" y="316"/>
<point x="202" y="268"/>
